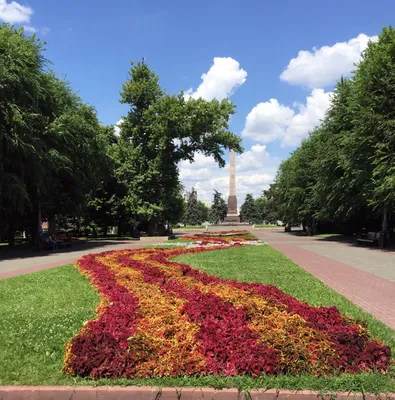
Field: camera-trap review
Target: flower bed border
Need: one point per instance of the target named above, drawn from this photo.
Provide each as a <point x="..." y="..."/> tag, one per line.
<point x="152" y="392"/>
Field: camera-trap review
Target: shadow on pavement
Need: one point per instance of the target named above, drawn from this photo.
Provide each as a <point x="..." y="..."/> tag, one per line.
<point x="345" y="239"/>
<point x="77" y="245"/>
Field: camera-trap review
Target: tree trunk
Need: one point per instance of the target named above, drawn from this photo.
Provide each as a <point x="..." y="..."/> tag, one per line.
<point x="11" y="234"/>
<point x="105" y="230"/>
<point x="384" y="238"/>
<point x="120" y="230"/>
<point x="51" y="225"/>
<point x="37" y="229"/>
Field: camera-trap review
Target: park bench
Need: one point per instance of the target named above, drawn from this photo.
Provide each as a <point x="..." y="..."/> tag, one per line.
<point x="369" y="237"/>
<point x="62" y="240"/>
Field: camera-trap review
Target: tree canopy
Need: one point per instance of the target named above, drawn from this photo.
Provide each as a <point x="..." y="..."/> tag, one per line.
<point x="218" y="209"/>
<point x="345" y="171"/>
<point x="161" y="130"/>
<point x="58" y="161"/>
<point x="50" y="140"/>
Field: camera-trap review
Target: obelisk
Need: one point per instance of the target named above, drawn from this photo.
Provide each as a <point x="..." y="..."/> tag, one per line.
<point x="232" y="215"/>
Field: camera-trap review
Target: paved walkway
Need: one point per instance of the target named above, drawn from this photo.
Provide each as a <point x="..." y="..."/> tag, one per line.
<point x="365" y="276"/>
<point x="25" y="262"/>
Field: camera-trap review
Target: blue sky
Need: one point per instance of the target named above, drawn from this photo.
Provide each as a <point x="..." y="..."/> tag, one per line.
<point x="243" y="47"/>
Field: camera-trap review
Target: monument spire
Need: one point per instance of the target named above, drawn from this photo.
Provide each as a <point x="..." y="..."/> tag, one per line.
<point x="232" y="215"/>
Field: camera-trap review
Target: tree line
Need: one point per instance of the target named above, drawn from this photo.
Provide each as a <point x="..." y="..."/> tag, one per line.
<point x="57" y="161"/>
<point x="196" y="212"/>
<point x="343" y="175"/>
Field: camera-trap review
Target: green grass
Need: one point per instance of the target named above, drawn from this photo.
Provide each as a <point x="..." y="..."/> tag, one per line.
<point x="41" y="311"/>
<point x="38" y="313"/>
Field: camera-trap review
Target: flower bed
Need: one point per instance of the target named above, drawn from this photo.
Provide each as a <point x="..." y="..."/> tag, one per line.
<point x="162" y="318"/>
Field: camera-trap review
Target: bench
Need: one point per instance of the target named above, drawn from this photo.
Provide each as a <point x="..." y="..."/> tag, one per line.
<point x="369" y="237"/>
<point x="62" y="241"/>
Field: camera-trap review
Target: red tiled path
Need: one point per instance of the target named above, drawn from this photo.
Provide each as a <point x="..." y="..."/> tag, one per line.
<point x="372" y="293"/>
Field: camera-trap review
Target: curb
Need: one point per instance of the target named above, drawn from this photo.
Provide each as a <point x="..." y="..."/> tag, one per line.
<point x="154" y="393"/>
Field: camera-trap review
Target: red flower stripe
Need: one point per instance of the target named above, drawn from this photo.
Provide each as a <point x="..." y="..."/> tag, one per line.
<point x="259" y="315"/>
<point x="228" y="344"/>
<point x="158" y="318"/>
<point x="99" y="349"/>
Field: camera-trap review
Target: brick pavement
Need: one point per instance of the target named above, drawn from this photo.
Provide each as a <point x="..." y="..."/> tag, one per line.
<point x="372" y="293"/>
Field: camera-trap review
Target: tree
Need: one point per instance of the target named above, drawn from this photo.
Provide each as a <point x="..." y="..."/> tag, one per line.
<point x="344" y="173"/>
<point x="50" y="141"/>
<point x="374" y="120"/>
<point x="218" y="209"/>
<point x="192" y="214"/>
<point x="161" y="130"/>
<point x="21" y="149"/>
<point x="268" y="205"/>
<point x="248" y="210"/>
<point x="261" y="211"/>
<point x="340" y="183"/>
<point x="203" y="211"/>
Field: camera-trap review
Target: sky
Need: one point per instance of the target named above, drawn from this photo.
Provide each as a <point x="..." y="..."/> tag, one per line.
<point x="278" y="61"/>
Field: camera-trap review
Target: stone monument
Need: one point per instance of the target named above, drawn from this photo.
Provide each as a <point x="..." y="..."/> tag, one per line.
<point x="232" y="216"/>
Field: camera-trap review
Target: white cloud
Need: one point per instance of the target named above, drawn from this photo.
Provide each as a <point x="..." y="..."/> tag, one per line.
<point x="254" y="158"/>
<point x="270" y="121"/>
<point x="30" y="29"/>
<point x="255" y="170"/>
<point x="117" y="127"/>
<point x="44" y="31"/>
<point x="221" y="80"/>
<point x="256" y="179"/>
<point x="324" y="66"/>
<point x="14" y="13"/>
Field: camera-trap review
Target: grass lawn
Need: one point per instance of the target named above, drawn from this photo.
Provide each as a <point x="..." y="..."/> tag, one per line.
<point x="41" y="311"/>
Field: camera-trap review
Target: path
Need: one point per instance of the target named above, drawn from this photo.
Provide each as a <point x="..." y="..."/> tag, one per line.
<point x="363" y="275"/>
<point x="25" y="262"/>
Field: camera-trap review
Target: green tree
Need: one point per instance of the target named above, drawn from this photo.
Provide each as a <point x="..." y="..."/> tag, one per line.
<point x="203" y="211"/>
<point x="218" y="209"/>
<point x="50" y="141"/>
<point x="374" y="120"/>
<point x="192" y="214"/>
<point x="161" y="130"/>
<point x="21" y="148"/>
<point x="268" y="205"/>
<point x="340" y="182"/>
<point x="345" y="170"/>
<point x="260" y="207"/>
<point x="248" y="210"/>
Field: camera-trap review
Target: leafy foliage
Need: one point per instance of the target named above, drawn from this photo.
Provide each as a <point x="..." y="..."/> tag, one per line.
<point x="345" y="170"/>
<point x="57" y="161"/>
<point x="218" y="209"/>
<point x="249" y="211"/>
<point x="161" y="130"/>
<point x="51" y="142"/>
<point x="192" y="214"/>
